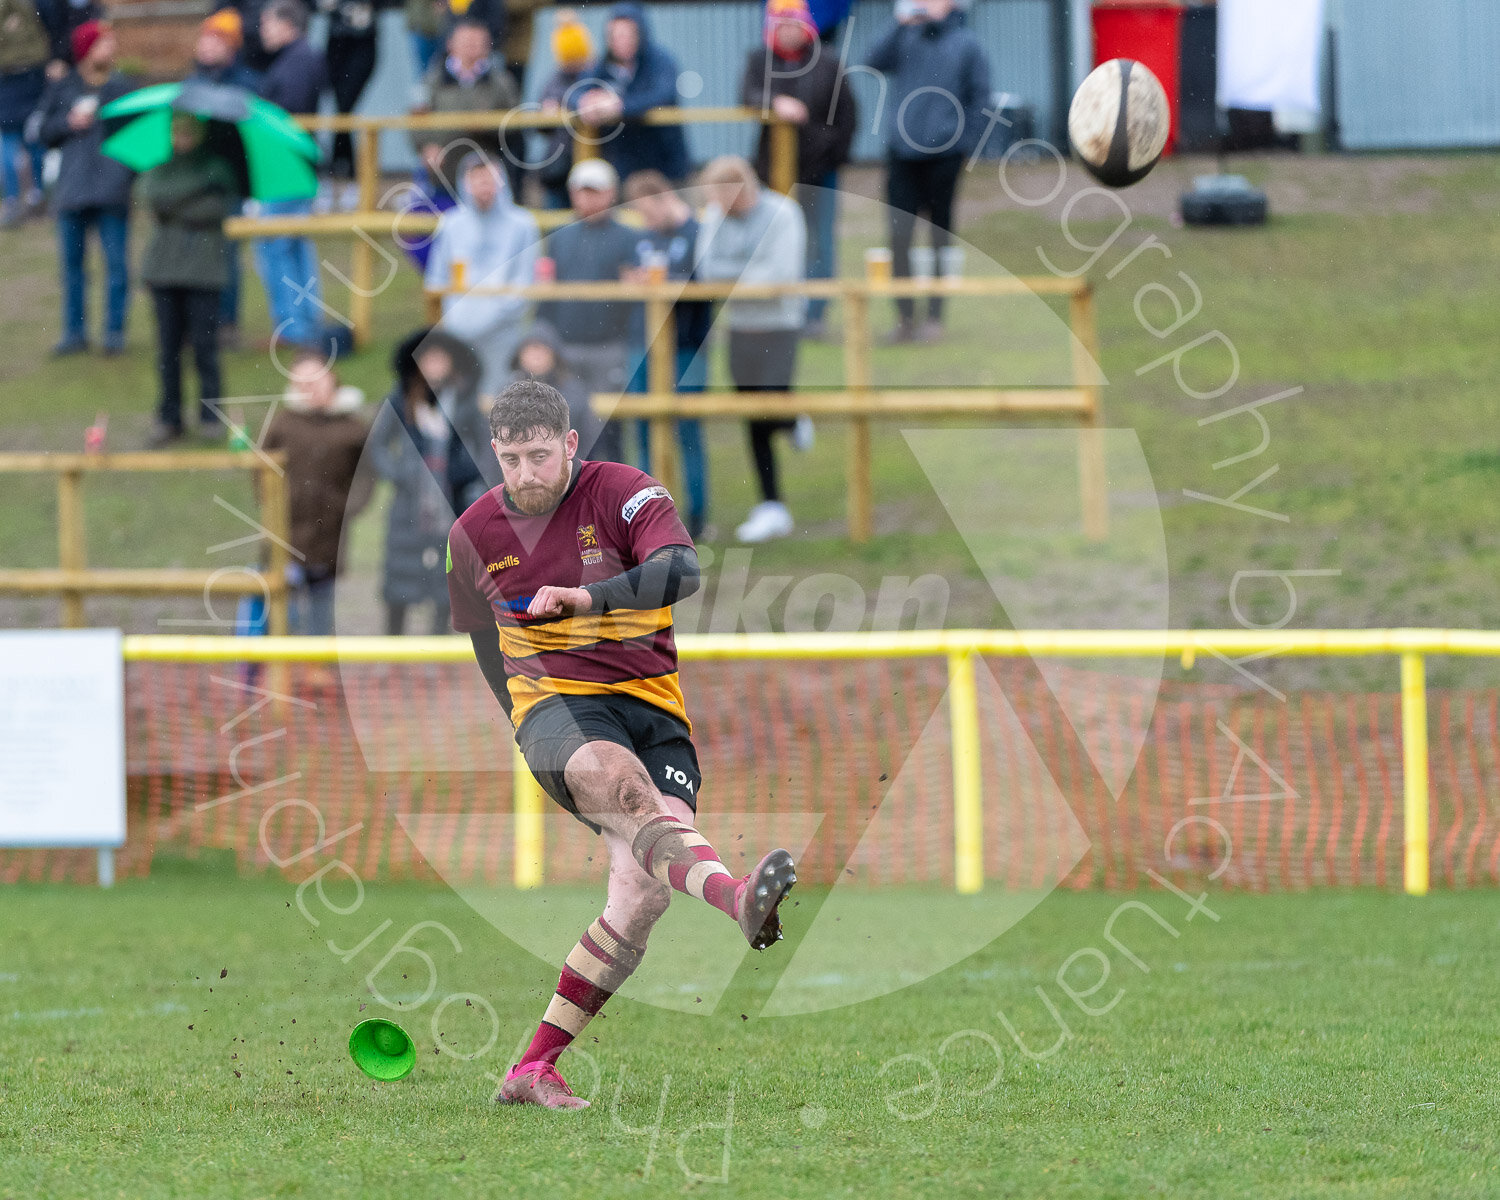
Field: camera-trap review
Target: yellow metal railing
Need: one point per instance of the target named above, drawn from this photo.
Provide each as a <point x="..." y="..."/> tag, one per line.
<point x="959" y="647"/>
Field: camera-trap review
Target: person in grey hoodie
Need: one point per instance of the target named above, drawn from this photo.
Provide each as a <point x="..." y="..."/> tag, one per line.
<point x="487" y="241"/>
<point x="934" y="116"/>
<point x="751" y="234"/>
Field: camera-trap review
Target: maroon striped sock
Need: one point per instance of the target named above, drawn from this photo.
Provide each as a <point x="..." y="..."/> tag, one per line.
<point x="677" y="854"/>
<point x="594" y="971"/>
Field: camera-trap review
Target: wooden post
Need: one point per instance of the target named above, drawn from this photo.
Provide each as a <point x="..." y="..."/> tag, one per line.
<point x="1093" y="479"/>
<point x="585" y="141"/>
<point x="72" y="545"/>
<point x="275" y="516"/>
<point x="661" y="377"/>
<point x="362" y="267"/>
<point x="856" y="303"/>
<point x="783" y="157"/>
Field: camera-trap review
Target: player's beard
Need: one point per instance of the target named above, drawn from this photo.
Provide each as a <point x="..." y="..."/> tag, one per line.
<point x="538" y="500"/>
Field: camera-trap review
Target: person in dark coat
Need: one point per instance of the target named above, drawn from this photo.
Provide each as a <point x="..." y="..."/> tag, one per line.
<point x="414" y="446"/>
<point x="92" y="191"/>
<point x="930" y="60"/>
<point x="796" y="77"/>
<point x="323" y="433"/>
<point x="452" y="371"/>
<point x="190" y="195"/>
<point x="638" y="75"/>
<point x="34" y="49"/>
<point x="296" y="72"/>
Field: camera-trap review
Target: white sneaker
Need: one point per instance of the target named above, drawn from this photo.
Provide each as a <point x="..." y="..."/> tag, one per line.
<point x="804" y="435"/>
<point x="768" y="519"/>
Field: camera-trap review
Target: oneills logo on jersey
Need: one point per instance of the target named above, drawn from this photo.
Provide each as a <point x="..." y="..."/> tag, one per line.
<point x="638" y="501"/>
<point x="510" y="560"/>
<point x="589" y="549"/>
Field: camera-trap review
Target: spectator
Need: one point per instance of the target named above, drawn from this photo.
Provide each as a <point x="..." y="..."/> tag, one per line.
<point x="190" y="195"/>
<point x="572" y="51"/>
<point x="216" y="53"/>
<point x="415" y="446"/>
<point x="931" y="60"/>
<point x="92" y="192"/>
<point x="350" y="54"/>
<point x="638" y="75"/>
<point x="424" y="27"/>
<point x="33" y="49"/>
<point x="751" y="234"/>
<point x="540" y="356"/>
<point x="487" y="240"/>
<point x="323" y="434"/>
<point x="469" y="79"/>
<point x="253" y="54"/>
<point x="671" y="238"/>
<point x="216" y="59"/>
<point x="288" y="266"/>
<point x="793" y="76"/>
<point x="595" y="334"/>
<point x="452" y="372"/>
<point x="828" y="15"/>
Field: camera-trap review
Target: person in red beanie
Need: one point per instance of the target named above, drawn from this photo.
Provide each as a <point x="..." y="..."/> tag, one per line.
<point x="92" y="190"/>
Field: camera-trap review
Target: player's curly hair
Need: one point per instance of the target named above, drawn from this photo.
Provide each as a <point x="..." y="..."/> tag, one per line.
<point x="526" y="408"/>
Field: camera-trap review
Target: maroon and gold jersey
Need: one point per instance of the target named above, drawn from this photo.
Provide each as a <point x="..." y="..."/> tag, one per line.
<point x="611" y="518"/>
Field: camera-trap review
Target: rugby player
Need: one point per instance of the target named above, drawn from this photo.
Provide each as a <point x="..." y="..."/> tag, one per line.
<point x="564" y="578"/>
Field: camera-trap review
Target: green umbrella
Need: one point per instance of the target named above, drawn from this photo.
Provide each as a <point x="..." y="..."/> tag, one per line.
<point x="273" y="156"/>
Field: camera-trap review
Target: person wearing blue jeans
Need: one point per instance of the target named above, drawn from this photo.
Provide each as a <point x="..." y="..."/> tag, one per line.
<point x="692" y="376"/>
<point x="669" y="243"/>
<point x="93" y="190"/>
<point x="820" y="208"/>
<point x="112" y="225"/>
<point x="13" y="145"/>
<point x="288" y="268"/>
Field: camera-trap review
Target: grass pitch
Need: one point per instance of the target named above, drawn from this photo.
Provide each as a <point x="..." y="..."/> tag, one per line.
<point x="1324" y="1044"/>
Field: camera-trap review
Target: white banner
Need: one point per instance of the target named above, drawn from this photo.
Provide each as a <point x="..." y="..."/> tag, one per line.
<point x="1269" y="53"/>
<point x="62" y="738"/>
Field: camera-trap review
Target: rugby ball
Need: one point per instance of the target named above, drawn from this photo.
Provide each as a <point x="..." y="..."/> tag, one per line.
<point x="1119" y="121"/>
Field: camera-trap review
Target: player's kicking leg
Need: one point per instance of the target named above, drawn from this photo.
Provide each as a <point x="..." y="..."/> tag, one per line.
<point x="612" y="788"/>
<point x="653" y="850"/>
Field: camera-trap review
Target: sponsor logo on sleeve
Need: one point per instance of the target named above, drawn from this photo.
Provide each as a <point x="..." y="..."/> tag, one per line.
<point x="638" y="501"/>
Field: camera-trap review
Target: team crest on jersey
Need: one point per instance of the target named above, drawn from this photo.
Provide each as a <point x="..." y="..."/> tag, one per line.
<point x="589" y="549"/>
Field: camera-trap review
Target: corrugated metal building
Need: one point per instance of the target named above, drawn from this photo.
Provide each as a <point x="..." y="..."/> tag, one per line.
<point x="1415" y="76"/>
<point x="710" y="41"/>
<point x="1403" y="75"/>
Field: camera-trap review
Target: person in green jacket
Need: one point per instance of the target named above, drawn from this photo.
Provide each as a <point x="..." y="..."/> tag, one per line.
<point x="189" y="195"/>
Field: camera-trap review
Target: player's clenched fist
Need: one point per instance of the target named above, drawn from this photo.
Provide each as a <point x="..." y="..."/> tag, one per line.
<point x="560" y="602"/>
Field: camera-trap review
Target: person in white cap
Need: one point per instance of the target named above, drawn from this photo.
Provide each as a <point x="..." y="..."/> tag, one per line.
<point x="595" y="334"/>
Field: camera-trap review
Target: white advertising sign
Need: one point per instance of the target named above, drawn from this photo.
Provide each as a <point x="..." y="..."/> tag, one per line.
<point x="62" y="738"/>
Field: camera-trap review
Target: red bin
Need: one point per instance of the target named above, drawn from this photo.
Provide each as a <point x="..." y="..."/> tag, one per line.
<point x="1148" y="31"/>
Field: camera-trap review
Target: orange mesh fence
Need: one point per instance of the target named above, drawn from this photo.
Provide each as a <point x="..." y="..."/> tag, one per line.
<point x="404" y="771"/>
